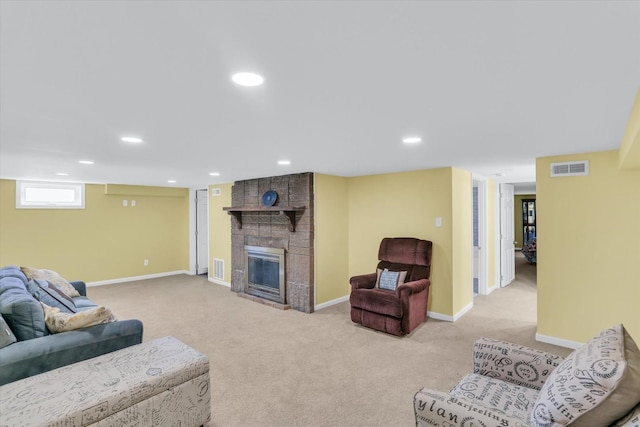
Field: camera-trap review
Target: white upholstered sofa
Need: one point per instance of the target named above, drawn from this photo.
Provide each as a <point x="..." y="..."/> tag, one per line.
<point x="597" y="385"/>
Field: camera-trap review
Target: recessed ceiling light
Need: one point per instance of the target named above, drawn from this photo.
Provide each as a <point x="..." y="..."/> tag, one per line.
<point x="248" y="79"/>
<point x="62" y="174"/>
<point x="412" y="140"/>
<point x="284" y="162"/>
<point x="214" y="173"/>
<point x="172" y="181"/>
<point x="132" y="139"/>
<point x="86" y="162"/>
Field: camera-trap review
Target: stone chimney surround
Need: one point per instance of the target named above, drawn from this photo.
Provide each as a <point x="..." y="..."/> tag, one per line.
<point x="288" y="225"/>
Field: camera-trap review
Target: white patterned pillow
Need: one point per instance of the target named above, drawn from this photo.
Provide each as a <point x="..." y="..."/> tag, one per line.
<point x="596" y="385"/>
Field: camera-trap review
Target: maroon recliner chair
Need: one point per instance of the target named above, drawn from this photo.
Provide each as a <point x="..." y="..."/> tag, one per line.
<point x="378" y="304"/>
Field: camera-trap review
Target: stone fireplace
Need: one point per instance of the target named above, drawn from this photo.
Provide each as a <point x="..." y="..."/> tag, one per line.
<point x="285" y="228"/>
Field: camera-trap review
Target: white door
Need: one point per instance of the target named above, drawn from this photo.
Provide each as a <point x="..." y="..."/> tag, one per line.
<point x="507" y="247"/>
<point x="480" y="267"/>
<point x="202" y="232"/>
<point x="476" y="240"/>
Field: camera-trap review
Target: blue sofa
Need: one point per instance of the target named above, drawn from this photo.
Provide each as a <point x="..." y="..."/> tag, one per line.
<point x="35" y="350"/>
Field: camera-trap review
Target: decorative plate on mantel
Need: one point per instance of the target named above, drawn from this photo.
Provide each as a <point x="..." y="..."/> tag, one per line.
<point x="269" y="198"/>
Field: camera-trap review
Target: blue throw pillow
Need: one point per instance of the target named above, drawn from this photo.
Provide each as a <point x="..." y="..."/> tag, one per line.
<point x="51" y="295"/>
<point x="22" y="312"/>
<point x="390" y="280"/>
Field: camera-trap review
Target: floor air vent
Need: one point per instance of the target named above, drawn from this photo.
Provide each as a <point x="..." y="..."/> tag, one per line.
<point x="218" y="269"/>
<point x="570" y="168"/>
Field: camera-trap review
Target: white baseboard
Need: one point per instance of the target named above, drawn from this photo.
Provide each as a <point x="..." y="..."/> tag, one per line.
<point x="439" y="316"/>
<point x="462" y="312"/>
<point x="220" y="282"/>
<point x="492" y="288"/>
<point x="558" y="341"/>
<point x="449" y="318"/>
<point x="332" y="302"/>
<point x="134" y="278"/>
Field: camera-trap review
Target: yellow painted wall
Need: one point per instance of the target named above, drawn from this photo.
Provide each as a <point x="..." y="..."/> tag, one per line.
<point x="220" y="229"/>
<point x="462" y="238"/>
<point x="629" y="154"/>
<point x="331" y="238"/>
<point x="352" y="216"/>
<point x="105" y="240"/>
<point x="517" y="217"/>
<point x="406" y="205"/>
<point x="588" y="248"/>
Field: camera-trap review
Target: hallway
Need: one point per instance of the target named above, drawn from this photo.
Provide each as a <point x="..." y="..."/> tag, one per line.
<point x="526" y="273"/>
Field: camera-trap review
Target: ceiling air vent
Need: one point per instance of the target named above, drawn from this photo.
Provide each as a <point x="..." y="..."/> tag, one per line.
<point x="570" y="168"/>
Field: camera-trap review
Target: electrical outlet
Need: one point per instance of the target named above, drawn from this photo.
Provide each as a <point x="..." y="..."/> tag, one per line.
<point x="124" y="203"/>
<point x="146" y="262"/>
<point x="133" y="203"/>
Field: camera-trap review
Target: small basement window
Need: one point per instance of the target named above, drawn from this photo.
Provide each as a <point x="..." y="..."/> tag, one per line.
<point x="49" y="195"/>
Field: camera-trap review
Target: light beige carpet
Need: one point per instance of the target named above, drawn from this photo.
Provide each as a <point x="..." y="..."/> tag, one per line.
<point x="285" y="368"/>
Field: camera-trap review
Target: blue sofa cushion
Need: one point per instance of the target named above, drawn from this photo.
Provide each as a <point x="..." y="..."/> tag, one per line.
<point x="51" y="295"/>
<point x="83" y="303"/>
<point x="6" y="335"/>
<point x="13" y="271"/>
<point x="22" y="312"/>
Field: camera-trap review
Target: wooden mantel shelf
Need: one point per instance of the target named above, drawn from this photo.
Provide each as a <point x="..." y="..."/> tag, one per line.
<point x="288" y="211"/>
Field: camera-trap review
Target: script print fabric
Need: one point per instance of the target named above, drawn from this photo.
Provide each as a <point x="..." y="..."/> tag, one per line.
<point x="510" y="399"/>
<point x="172" y="374"/>
<point x="594" y="386"/>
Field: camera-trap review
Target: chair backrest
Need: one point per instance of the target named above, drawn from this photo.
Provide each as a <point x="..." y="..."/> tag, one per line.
<point x="406" y="254"/>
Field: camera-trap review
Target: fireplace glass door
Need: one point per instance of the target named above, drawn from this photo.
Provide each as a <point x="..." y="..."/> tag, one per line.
<point x="264" y="269"/>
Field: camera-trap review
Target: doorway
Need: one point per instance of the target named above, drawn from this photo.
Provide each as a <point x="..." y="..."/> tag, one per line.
<point x="480" y="245"/>
<point x="202" y="231"/>
<point x="507" y="245"/>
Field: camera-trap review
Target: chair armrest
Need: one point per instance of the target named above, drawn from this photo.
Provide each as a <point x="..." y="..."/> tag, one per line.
<point x="414" y="287"/>
<point x="80" y="286"/>
<point x="514" y="363"/>
<point x="632" y="419"/>
<point x="435" y="408"/>
<point x="364" y="281"/>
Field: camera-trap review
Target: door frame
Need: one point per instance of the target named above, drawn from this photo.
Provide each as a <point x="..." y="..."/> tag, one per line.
<point x="507" y="224"/>
<point x="197" y="234"/>
<point x="483" y="259"/>
<point x="193" y="241"/>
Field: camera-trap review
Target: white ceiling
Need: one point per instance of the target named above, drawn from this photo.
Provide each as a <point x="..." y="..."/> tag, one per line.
<point x="489" y="85"/>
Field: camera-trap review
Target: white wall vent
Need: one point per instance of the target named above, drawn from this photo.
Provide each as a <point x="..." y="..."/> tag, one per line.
<point x="570" y="168"/>
<point x="218" y="269"/>
<point x="216" y="191"/>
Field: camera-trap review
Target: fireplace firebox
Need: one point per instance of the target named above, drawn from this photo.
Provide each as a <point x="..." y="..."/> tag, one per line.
<point x="264" y="273"/>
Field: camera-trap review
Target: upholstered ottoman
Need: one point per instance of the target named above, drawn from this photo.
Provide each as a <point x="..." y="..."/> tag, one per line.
<point x="158" y="383"/>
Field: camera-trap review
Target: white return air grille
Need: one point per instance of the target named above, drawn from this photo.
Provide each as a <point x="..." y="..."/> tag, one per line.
<point x="570" y="168"/>
<point x="218" y="269"/>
